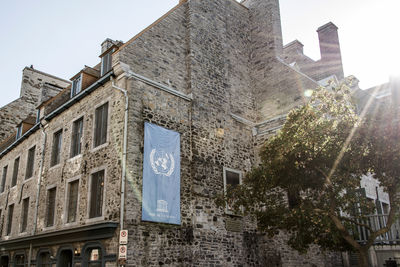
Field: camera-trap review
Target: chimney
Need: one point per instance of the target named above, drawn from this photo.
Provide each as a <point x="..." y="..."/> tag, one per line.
<point x="266" y="28"/>
<point x="295" y="47"/>
<point x="329" y="45"/>
<point x="107" y="43"/>
<point x="394" y="83"/>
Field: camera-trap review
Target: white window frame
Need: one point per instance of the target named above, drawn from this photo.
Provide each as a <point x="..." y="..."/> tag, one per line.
<point x="61" y="148"/>
<point x="5" y="178"/>
<point x="12" y="218"/>
<point x="89" y="199"/>
<point x="82" y="137"/>
<point x="94" y="148"/>
<point x="67" y="186"/>
<point x="22" y="216"/>
<point x="33" y="164"/>
<point x="19" y="171"/>
<point x="55" y="207"/>
<point x="76" y="84"/>
<point x="109" y="55"/>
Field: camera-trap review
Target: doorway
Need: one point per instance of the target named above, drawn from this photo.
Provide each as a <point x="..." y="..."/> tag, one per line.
<point x="65" y="258"/>
<point x="4" y="261"/>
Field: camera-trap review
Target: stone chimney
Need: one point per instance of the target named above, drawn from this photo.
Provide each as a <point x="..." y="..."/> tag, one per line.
<point x="295" y="47"/>
<point x="107" y="43"/>
<point x="266" y="28"/>
<point x="329" y="45"/>
<point x="394" y="83"/>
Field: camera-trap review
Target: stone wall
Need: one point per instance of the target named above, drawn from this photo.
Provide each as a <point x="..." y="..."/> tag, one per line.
<point x="224" y="57"/>
<point x="106" y="156"/>
<point x="14" y="112"/>
<point x="201" y="48"/>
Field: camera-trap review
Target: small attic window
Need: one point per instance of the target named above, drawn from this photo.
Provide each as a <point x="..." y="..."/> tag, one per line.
<point x="19" y="131"/>
<point x="76" y="86"/>
<point x="106" y="62"/>
<point x="38" y="115"/>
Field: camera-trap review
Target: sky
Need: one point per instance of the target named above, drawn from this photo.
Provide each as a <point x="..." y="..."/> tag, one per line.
<point x="60" y="37"/>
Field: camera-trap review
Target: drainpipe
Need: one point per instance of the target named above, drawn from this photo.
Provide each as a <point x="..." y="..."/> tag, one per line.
<point x="39" y="179"/>
<point x="37" y="192"/>
<point x="123" y="176"/>
<point x="30" y="255"/>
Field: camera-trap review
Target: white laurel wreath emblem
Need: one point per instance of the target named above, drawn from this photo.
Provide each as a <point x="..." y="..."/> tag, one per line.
<point x="163" y="163"/>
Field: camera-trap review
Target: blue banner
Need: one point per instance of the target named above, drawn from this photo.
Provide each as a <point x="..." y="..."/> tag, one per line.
<point x="161" y="175"/>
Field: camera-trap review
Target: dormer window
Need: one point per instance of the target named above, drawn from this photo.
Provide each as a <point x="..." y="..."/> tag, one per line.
<point x="106" y="62"/>
<point x="76" y="86"/>
<point x="38" y="115"/>
<point x="19" y="131"/>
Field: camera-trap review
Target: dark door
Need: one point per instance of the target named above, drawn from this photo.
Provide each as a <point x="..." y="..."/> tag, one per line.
<point x="4" y="261"/>
<point x="65" y="259"/>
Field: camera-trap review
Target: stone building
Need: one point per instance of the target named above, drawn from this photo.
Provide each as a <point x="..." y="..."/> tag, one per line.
<point x="217" y="73"/>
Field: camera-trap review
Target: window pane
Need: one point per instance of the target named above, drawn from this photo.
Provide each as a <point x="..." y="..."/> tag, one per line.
<point x="44" y="260"/>
<point x="25" y="210"/>
<point x="232" y="178"/>
<point x="51" y="204"/>
<point x="76" y="86"/>
<point x="56" y="151"/>
<point x="94" y="257"/>
<point x="19" y="261"/>
<point x="101" y="117"/>
<point x="30" y="162"/>
<point x="10" y="218"/>
<point x="106" y="62"/>
<point x="76" y="137"/>
<point x="15" y="172"/>
<point x="72" y="201"/>
<point x="3" y="179"/>
<point x="96" y="194"/>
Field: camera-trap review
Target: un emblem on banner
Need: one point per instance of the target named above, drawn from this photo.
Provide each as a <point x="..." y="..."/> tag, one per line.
<point x="161" y="162"/>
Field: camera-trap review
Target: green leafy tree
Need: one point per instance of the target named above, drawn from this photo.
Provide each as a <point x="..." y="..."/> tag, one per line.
<point x="308" y="181"/>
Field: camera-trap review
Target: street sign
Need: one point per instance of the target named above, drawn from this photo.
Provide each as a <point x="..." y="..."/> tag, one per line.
<point x="123" y="237"/>
<point x="122" y="252"/>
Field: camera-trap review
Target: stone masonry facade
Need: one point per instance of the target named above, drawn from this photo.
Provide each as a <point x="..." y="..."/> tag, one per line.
<point x="214" y="71"/>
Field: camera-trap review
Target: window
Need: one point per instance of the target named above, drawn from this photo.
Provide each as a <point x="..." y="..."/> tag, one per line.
<point x="106" y="62"/>
<point x="232" y="178"/>
<point x="24" y="215"/>
<point x="30" y="163"/>
<point x="56" y="150"/>
<point x="76" y="140"/>
<point x="72" y="201"/>
<point x="3" y="179"/>
<point x="38" y="115"/>
<point x="9" y="219"/>
<point x="96" y="194"/>
<point x="76" y="86"/>
<point x="19" y="260"/>
<point x="43" y="259"/>
<point x="51" y="205"/>
<point x="19" y="131"/>
<point x="94" y="257"/>
<point x="15" y="172"/>
<point x="100" y="131"/>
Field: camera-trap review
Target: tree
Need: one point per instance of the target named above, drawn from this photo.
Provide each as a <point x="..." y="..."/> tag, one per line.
<point x="308" y="181"/>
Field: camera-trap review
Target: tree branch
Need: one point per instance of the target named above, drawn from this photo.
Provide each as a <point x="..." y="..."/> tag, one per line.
<point x="389" y="222"/>
<point x="341" y="227"/>
<point x="356" y="222"/>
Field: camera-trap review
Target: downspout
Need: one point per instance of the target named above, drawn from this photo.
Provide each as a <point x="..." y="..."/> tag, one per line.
<point x="38" y="192"/>
<point x="39" y="179"/>
<point x="123" y="175"/>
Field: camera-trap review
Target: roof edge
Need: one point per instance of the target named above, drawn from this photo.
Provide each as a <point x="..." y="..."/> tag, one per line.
<point x="46" y="74"/>
<point x="181" y="3"/>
